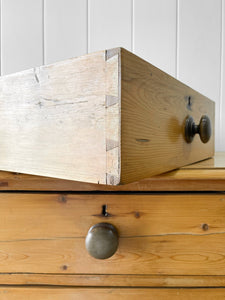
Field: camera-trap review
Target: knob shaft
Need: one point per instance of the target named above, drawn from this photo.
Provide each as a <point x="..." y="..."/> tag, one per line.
<point x="203" y="129"/>
<point x="102" y="240"/>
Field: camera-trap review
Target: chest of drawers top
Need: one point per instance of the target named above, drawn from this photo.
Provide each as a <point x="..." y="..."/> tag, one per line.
<point x="207" y="175"/>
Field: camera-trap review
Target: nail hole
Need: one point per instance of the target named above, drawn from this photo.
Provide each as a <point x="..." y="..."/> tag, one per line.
<point x="104" y="210"/>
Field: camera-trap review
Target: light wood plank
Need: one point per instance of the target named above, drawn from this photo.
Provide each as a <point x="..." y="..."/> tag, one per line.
<point x="109" y="24"/>
<point x="208" y="175"/>
<point x="199" y="49"/>
<point x="108" y="280"/>
<point x="167" y="255"/>
<point x="154" y="107"/>
<point x="181" y="255"/>
<point x="134" y="215"/>
<point x="53" y="121"/>
<point x="154" y="36"/>
<point x="65" y="29"/>
<point x="21" y="33"/>
<point x="109" y="293"/>
<point x="179" y="180"/>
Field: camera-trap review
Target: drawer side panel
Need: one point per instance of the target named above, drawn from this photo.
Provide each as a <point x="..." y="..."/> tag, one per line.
<point x="53" y="120"/>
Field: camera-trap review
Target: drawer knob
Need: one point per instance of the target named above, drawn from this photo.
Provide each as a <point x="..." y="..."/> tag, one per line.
<point x="203" y="129"/>
<point x="102" y="240"/>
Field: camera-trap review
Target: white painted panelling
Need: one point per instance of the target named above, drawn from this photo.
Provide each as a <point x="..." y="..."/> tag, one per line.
<point x="21" y="38"/>
<point x="181" y="37"/>
<point x="110" y="24"/>
<point x="155" y="33"/>
<point x="199" y="49"/>
<point x="222" y="104"/>
<point x="65" y="29"/>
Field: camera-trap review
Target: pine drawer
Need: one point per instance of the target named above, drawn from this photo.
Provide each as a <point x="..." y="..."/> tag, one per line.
<point x="159" y="233"/>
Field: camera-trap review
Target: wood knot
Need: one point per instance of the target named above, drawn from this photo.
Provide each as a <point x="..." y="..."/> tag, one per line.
<point x="205" y="227"/>
<point x="4" y="183"/>
<point x="62" y="198"/>
<point x="137" y="214"/>
<point x="64" y="267"/>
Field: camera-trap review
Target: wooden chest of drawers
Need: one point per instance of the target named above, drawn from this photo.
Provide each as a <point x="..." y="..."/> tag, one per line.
<point x="171" y="236"/>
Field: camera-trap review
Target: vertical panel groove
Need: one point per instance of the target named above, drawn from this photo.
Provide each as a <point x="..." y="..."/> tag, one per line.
<point x="110" y="24"/>
<point x="65" y="23"/>
<point x="177" y="41"/>
<point x="43" y="31"/>
<point x="221" y="144"/>
<point x="87" y="16"/>
<point x="132" y="25"/>
<point x="1" y="38"/>
<point x="155" y="33"/>
<point x="88" y="25"/>
<point x="200" y="50"/>
<point x="133" y="28"/>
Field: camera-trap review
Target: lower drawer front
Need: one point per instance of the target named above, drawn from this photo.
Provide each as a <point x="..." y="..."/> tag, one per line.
<point x="167" y="234"/>
<point x="107" y="293"/>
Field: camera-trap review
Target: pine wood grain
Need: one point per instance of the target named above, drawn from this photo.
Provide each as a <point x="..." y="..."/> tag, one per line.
<point x="159" y="234"/>
<point x="49" y="293"/>
<point x="54" y="118"/>
<point x="135" y="215"/>
<point x="154" y="107"/>
<point x="167" y="255"/>
<point x="109" y="280"/>
<point x="104" y="118"/>
<point x="207" y="175"/>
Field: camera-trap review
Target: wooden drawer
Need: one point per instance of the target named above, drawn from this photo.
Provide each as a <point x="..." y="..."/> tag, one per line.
<point x="108" y="117"/>
<point x="47" y="293"/>
<point x="166" y="234"/>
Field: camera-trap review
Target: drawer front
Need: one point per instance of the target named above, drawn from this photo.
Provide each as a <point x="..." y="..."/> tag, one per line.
<point x="167" y="234"/>
<point x="154" y="112"/>
<point x="107" y="293"/>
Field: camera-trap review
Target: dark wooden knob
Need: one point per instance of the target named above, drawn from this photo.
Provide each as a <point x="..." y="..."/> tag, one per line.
<point x="203" y="129"/>
<point x="102" y="240"/>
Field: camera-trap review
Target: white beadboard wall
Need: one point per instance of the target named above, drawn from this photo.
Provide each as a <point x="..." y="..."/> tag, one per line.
<point x="185" y="38"/>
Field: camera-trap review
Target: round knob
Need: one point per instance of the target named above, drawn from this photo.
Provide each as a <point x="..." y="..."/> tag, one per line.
<point x="203" y="129"/>
<point x="102" y="240"/>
